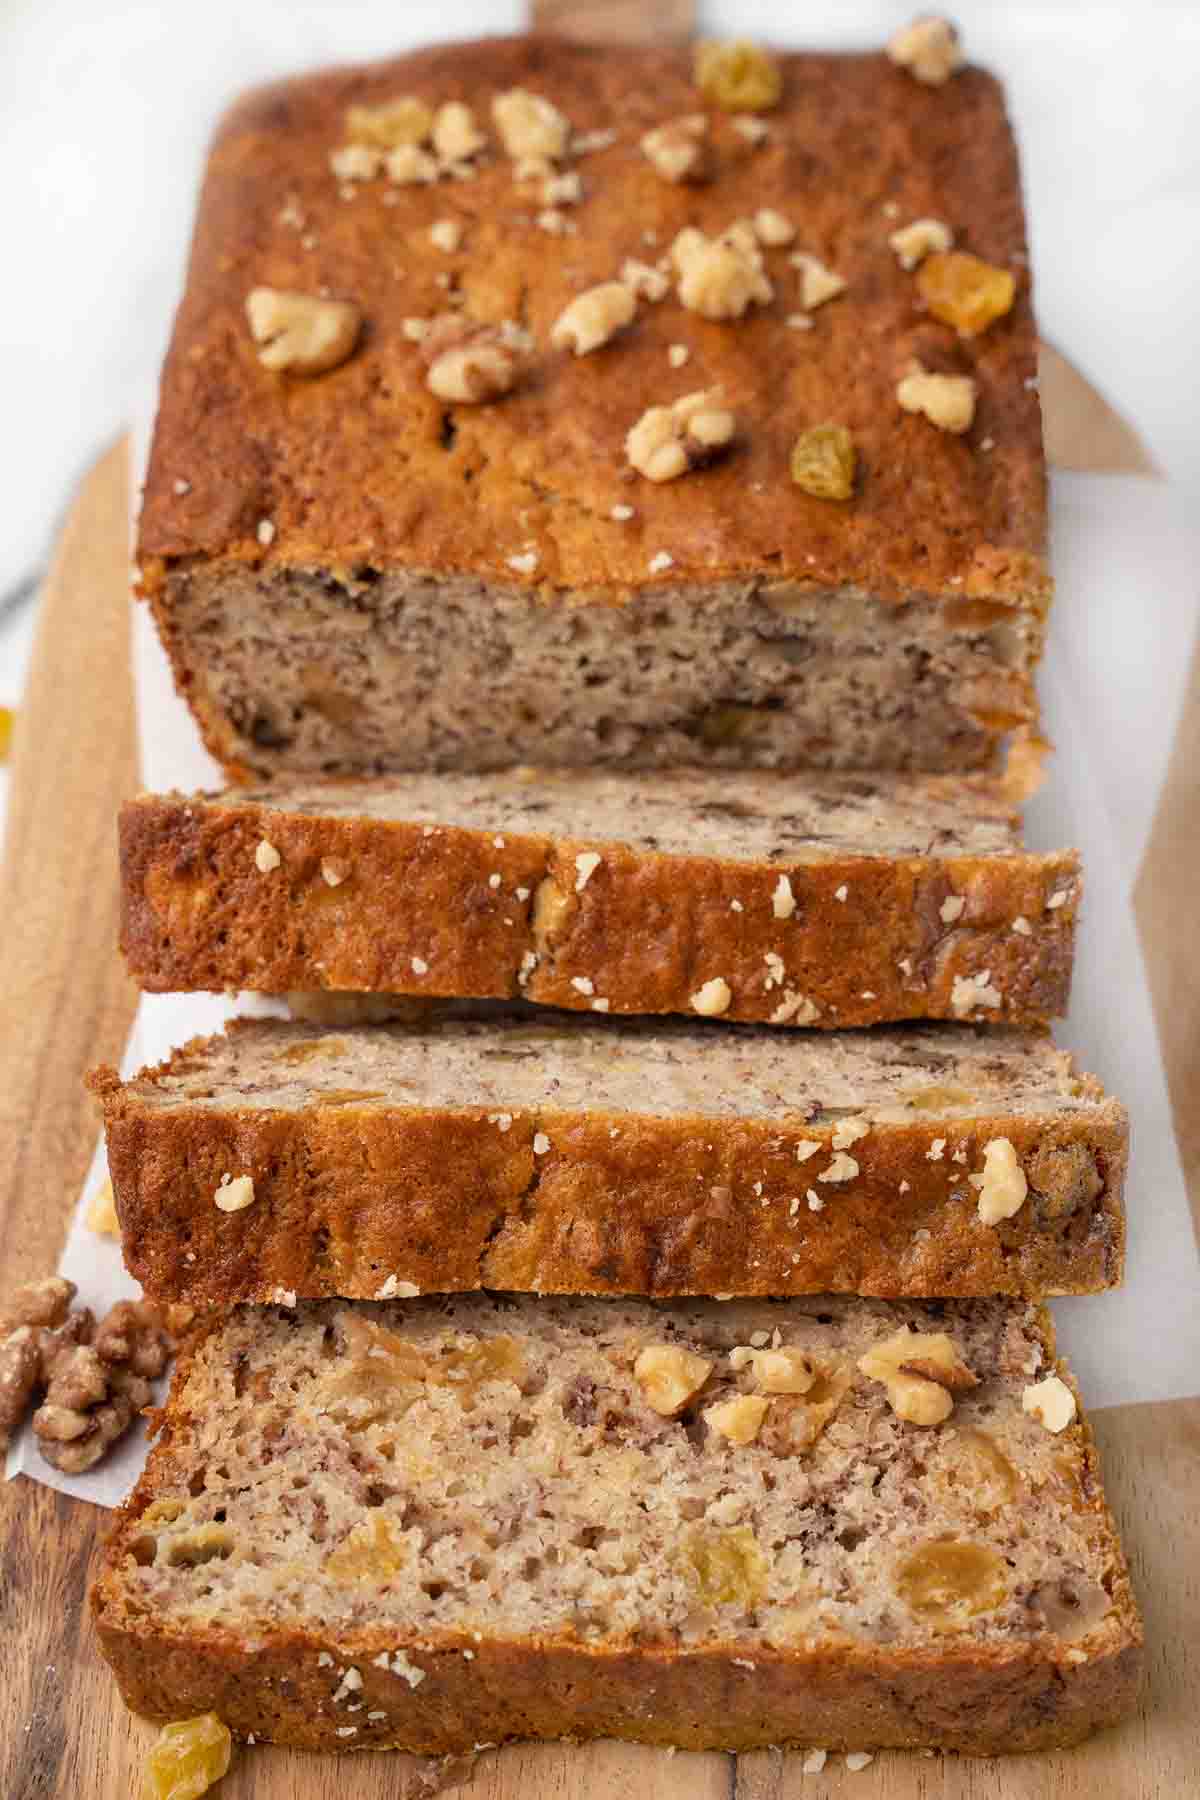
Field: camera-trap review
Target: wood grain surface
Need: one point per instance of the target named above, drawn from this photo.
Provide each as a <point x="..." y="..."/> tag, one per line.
<point x="63" y="1732"/>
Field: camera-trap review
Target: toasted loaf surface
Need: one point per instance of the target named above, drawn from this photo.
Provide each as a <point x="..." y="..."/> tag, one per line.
<point x="559" y="1153"/>
<point x="353" y="573"/>
<point x="433" y="1525"/>
<point x="836" y="901"/>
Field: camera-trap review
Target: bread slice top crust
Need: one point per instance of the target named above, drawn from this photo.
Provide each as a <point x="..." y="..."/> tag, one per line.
<point x="363" y="469"/>
<point x="426" y="1474"/>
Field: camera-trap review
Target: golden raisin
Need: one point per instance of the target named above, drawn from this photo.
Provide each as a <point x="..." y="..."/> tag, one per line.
<point x="737" y="76"/>
<point x="946" y="1582"/>
<point x="824" y="461"/>
<point x="728" y="1567"/>
<point x="370" y="1553"/>
<point x="190" y="1757"/>
<point x="963" y="291"/>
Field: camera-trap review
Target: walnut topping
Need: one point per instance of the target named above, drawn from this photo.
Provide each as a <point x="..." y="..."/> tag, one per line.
<point x="971" y="993"/>
<point x="446" y="234"/>
<point x="667" y="441"/>
<point x="824" y="461"/>
<point x="772" y="228"/>
<point x="647" y="282"/>
<point x="755" y="131"/>
<point x="952" y="907"/>
<point x="737" y="76"/>
<point x="403" y="121"/>
<point x="1001" y="1184"/>
<point x="842" y="1168"/>
<point x="913" y="243"/>
<point x="921" y="1371"/>
<point x="678" y="150"/>
<point x="266" y="857"/>
<point x="529" y="125"/>
<point x="669" y="1377"/>
<point x="593" y="318"/>
<point x="721" y="277"/>
<point x="1050" y="1401"/>
<point x="947" y="401"/>
<point x="818" y="283"/>
<point x="468" y="363"/>
<point x="782" y="1371"/>
<point x="410" y="166"/>
<point x="586" y="864"/>
<point x="965" y="292"/>
<point x="928" y="48"/>
<point x="233" y="1196"/>
<point x="37" y="1303"/>
<point x="456" y="136"/>
<point x="334" y="870"/>
<point x="783" y="901"/>
<point x="355" y="162"/>
<point x="93" y="1390"/>
<point x="795" y="1009"/>
<point x="712" y="998"/>
<point x="300" y="334"/>
<point x="562" y="190"/>
<point x="740" y="1419"/>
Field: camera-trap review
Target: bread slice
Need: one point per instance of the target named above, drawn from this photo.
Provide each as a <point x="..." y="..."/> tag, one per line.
<point x="352" y="572"/>
<point x="838" y="900"/>
<point x="556" y="1153"/>
<point x="440" y="1524"/>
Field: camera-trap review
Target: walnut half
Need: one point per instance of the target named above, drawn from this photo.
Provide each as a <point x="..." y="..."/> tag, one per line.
<point x="300" y="334"/>
<point x="921" y="1371"/>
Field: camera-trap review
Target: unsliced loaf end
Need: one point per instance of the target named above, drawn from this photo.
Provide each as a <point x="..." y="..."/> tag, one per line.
<point x="559" y="1154"/>
<point x="828" y="902"/>
<point x="433" y="1525"/>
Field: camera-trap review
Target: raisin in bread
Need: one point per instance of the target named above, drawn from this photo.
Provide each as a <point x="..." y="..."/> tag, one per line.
<point x="829" y="902"/>
<point x="437" y="1524"/>
<point x="556" y="1152"/>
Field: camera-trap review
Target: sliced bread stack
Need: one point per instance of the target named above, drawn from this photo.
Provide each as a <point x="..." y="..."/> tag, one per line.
<point x="621" y="1275"/>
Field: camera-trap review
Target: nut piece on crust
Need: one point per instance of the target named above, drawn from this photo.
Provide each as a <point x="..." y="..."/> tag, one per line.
<point x="823" y="462"/>
<point x="818" y="282"/>
<point x="667" y="441"/>
<point x="712" y="997"/>
<point x="913" y="243"/>
<point x="721" y="277"/>
<point x="669" y="1377"/>
<point x="529" y="125"/>
<point x="678" y="150"/>
<point x="1001" y="1183"/>
<point x="929" y="49"/>
<point x="456" y="136"/>
<point x="468" y="364"/>
<point x="737" y="76"/>
<point x="947" y="401"/>
<point x="299" y="333"/>
<point x="403" y="121"/>
<point x="921" y="1371"/>
<point x="593" y="318"/>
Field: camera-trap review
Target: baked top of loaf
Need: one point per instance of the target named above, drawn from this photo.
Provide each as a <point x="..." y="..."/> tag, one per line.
<point x="564" y="1154"/>
<point x="450" y="1493"/>
<point x="363" y="467"/>
<point x="827" y="901"/>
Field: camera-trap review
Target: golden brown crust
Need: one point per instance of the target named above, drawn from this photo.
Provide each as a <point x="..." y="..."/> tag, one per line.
<point x="348" y="1195"/>
<point x="350" y="467"/>
<point x="642" y="933"/>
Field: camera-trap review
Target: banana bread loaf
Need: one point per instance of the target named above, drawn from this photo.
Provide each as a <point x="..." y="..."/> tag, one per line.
<point x="839" y="900"/>
<point x="560" y="1153"/>
<point x="435" y="1525"/>
<point x="394" y="518"/>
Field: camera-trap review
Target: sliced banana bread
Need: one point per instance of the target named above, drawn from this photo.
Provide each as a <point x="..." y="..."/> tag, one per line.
<point x="560" y="1153"/>
<point x="838" y="900"/>
<point x="439" y="1524"/>
<point x="421" y="494"/>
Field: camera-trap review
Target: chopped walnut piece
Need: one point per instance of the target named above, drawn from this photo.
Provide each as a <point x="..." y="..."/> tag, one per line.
<point x="1050" y="1401"/>
<point x="466" y="363"/>
<point x="20" y="1371"/>
<point x="456" y="136"/>
<point x="37" y="1303"/>
<point x="529" y="125"/>
<point x="783" y="1371"/>
<point x="772" y="228"/>
<point x="1001" y="1184"/>
<point x="562" y="190"/>
<point x="712" y="998"/>
<point x="928" y="48"/>
<point x="355" y="162"/>
<point x="974" y="993"/>
<point x="964" y="291"/>
<point x="234" y="1196"/>
<point x="740" y="1419"/>
<point x="446" y="234"/>
<point x="737" y="76"/>
<point x="410" y="166"/>
<point x="647" y="282"/>
<point x="593" y="318"/>
<point x="818" y="284"/>
<point x="721" y="277"/>
<point x="300" y="334"/>
<point x="823" y="462"/>
<point x="667" y="441"/>
<point x="947" y="401"/>
<point x="678" y="150"/>
<point x="403" y="121"/>
<point x="921" y="1371"/>
<point x="266" y="857"/>
<point x="133" y="1332"/>
<point x="913" y="243"/>
<point x="89" y="1404"/>
<point x="669" y="1377"/>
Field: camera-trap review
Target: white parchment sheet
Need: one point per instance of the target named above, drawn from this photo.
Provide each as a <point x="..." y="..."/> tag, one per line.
<point x="1126" y="556"/>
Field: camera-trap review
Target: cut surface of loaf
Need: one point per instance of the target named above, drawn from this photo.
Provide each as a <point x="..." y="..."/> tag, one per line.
<point x="352" y="571"/>
<point x="439" y="1524"/>
<point x="830" y="901"/>
<point x="550" y="1152"/>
